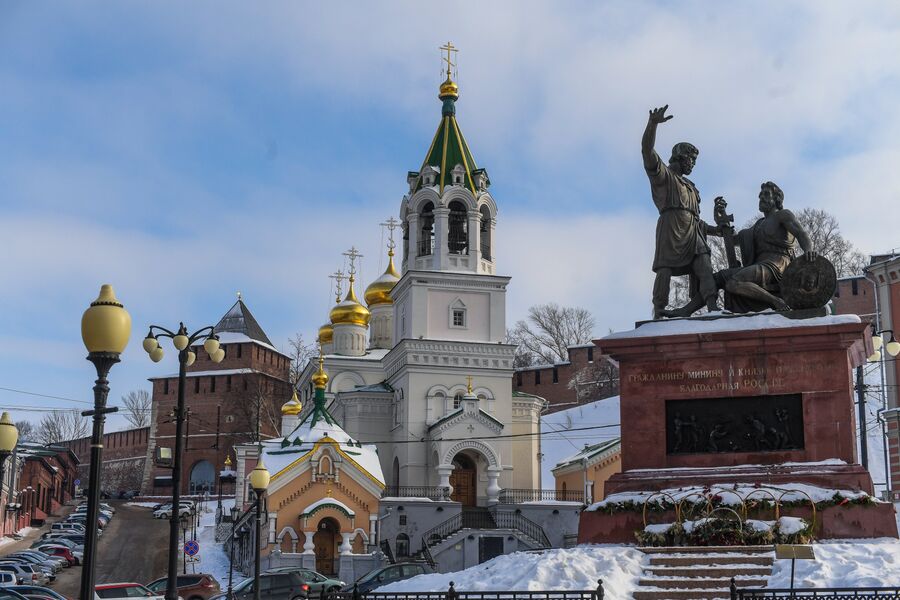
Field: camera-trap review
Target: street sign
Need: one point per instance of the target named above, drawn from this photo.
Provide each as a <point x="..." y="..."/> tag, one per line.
<point x="191" y="547"/>
<point x="77" y="482"/>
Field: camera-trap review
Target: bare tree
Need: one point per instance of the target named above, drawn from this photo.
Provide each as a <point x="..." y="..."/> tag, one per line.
<point x="548" y="331"/>
<point x="300" y="353"/>
<point x="61" y="426"/>
<point x="599" y="379"/>
<point x="26" y="431"/>
<point x="137" y="408"/>
<point x="825" y="233"/>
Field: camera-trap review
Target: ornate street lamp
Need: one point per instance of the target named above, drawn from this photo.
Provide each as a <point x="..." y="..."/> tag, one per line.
<point x="105" y="329"/>
<point x="892" y="347"/>
<point x="235" y="513"/>
<point x="259" y="481"/>
<point x="186" y="357"/>
<point x="9" y="435"/>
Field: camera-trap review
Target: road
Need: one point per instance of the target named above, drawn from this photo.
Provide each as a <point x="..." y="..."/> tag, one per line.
<point x="132" y="548"/>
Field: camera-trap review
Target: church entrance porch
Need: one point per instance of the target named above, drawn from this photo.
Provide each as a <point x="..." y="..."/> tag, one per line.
<point x="325" y="544"/>
<point x="464" y="480"/>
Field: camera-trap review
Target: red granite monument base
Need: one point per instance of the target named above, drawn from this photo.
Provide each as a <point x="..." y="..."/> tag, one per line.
<point x="739" y="399"/>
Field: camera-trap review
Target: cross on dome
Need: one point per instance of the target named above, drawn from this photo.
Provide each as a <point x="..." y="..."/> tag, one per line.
<point x="338" y="277"/>
<point x="391" y="224"/>
<point x="449" y="48"/>
<point x="352" y="254"/>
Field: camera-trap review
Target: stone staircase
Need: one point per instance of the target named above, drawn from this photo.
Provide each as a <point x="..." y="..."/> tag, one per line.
<point x="702" y="573"/>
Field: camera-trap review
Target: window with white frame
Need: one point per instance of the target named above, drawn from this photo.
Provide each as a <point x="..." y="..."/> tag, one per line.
<point x="458" y="314"/>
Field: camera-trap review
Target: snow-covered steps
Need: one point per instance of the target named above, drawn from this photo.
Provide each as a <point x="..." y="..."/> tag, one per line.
<point x="702" y="573"/>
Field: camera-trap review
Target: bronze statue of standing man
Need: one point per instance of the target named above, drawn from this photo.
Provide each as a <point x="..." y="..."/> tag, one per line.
<point x="681" y="247"/>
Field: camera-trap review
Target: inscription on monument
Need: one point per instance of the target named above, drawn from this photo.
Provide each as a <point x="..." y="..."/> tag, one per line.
<point x="730" y="378"/>
<point x="752" y="424"/>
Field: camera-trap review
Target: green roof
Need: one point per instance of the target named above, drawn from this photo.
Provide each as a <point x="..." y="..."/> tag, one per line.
<point x="448" y="149"/>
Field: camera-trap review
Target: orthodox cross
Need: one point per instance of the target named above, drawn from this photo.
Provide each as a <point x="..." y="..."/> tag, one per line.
<point x="449" y="48"/>
<point x="391" y="224"/>
<point x="352" y="254"/>
<point x="338" y="277"/>
<point x="471" y="429"/>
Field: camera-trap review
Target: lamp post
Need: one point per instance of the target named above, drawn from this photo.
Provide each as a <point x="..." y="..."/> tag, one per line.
<point x="186" y="357"/>
<point x="259" y="481"/>
<point x="234" y="516"/>
<point x="9" y="435"/>
<point x="105" y="329"/>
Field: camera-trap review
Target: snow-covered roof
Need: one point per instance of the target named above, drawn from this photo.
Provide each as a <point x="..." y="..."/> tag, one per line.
<point x="565" y="433"/>
<point x="764" y="320"/>
<point x="319" y="425"/>
<point x="239" y="319"/>
<point x="327" y="502"/>
<point x="232" y="337"/>
<point x="589" y="451"/>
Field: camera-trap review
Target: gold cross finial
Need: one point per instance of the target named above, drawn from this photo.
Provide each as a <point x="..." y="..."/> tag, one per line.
<point x="352" y="254"/>
<point x="239" y="295"/>
<point x="449" y="48"/>
<point x="469" y="386"/>
<point x="338" y="277"/>
<point x="391" y="224"/>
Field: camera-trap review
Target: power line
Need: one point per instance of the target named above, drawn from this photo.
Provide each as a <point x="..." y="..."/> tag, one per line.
<point x="44" y="395"/>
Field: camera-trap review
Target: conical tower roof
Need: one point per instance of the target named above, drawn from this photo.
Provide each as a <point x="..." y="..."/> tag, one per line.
<point x="239" y="319"/>
<point x="448" y="147"/>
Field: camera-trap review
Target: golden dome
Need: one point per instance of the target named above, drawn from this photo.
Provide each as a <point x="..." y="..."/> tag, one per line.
<point x="320" y="377"/>
<point x="326" y="333"/>
<point x="449" y="89"/>
<point x="379" y="291"/>
<point x="292" y="406"/>
<point x="350" y="311"/>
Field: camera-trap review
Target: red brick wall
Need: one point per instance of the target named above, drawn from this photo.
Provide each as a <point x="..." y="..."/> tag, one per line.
<point x="226" y="402"/>
<point x="861" y="303"/>
<point x="555" y="388"/>
<point x="116" y="445"/>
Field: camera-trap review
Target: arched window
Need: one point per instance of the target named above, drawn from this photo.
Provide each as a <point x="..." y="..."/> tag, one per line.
<point x="458" y="236"/>
<point x="485" y="233"/>
<point x="457" y="400"/>
<point x="426" y="240"/>
<point x="402" y="545"/>
<point x="203" y="477"/>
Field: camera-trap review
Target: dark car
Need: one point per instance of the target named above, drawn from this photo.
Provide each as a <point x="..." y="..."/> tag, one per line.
<point x="7" y="593"/>
<point x="272" y="586"/>
<point x="198" y="586"/>
<point x="36" y="592"/>
<point x="318" y="584"/>
<point x="389" y="574"/>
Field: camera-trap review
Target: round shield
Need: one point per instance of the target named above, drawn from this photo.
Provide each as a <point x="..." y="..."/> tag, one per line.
<point x="808" y="283"/>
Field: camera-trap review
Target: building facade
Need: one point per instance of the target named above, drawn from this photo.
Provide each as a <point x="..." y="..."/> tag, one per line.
<point x="229" y="403"/>
<point x="587" y="376"/>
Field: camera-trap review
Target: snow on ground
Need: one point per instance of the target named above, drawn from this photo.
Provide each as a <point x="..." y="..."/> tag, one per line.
<point x="21" y="533"/>
<point x="560" y="569"/>
<point x="844" y="563"/>
<point x="764" y="320"/>
<point x="558" y="441"/>
<point x="142" y="504"/>
<point x="213" y="558"/>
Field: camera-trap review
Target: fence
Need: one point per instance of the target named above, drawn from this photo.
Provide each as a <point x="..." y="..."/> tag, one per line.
<point x="453" y="594"/>
<point x="516" y="496"/>
<point x="416" y="491"/>
<point x="882" y="593"/>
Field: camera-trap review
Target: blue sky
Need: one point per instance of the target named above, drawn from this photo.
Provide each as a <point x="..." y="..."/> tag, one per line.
<point x="184" y="151"/>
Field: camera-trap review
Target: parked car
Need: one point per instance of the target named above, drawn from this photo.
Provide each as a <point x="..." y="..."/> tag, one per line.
<point x="7" y="593"/>
<point x="39" y="558"/>
<point x="166" y="511"/>
<point x="24" y="572"/>
<point x="197" y="586"/>
<point x="56" y="541"/>
<point x="389" y="574"/>
<point x="72" y="557"/>
<point x="272" y="586"/>
<point x="126" y="590"/>
<point x="36" y="592"/>
<point x="317" y="582"/>
<point x="7" y="579"/>
<point x="48" y="569"/>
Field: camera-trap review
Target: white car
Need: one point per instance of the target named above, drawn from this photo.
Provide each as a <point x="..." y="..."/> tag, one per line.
<point x="166" y="512"/>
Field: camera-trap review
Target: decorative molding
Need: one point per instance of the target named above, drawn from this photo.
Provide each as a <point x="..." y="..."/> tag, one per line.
<point x="485" y="450"/>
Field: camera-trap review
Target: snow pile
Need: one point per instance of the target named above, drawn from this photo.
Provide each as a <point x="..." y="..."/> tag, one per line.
<point x="142" y="504"/>
<point x="213" y="558"/>
<point x="764" y="320"/>
<point x="731" y="494"/>
<point x="559" y="441"/>
<point x="560" y="569"/>
<point x="848" y="563"/>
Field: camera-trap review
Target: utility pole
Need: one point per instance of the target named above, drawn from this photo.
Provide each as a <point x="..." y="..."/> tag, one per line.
<point x="861" y="402"/>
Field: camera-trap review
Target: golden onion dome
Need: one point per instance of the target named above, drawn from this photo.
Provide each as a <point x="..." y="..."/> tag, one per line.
<point x="350" y="311"/>
<point x="449" y="89"/>
<point x="292" y="406"/>
<point x="326" y="333"/>
<point x="320" y="377"/>
<point x="379" y="291"/>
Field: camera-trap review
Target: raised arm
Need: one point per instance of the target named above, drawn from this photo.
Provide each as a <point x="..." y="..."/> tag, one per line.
<point x="792" y="224"/>
<point x="657" y="116"/>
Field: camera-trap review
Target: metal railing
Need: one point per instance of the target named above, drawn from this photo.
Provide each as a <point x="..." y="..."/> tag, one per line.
<point x="516" y="496"/>
<point x="511" y="520"/>
<point x="481" y="519"/>
<point x="453" y="594"/>
<point x="416" y="491"/>
<point x="426" y="246"/>
<point x="863" y="593"/>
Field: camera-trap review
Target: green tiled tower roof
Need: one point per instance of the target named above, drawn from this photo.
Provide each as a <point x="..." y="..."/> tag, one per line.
<point x="448" y="147"/>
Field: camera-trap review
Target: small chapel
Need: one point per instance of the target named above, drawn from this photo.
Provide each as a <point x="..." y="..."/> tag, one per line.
<point x="406" y="439"/>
